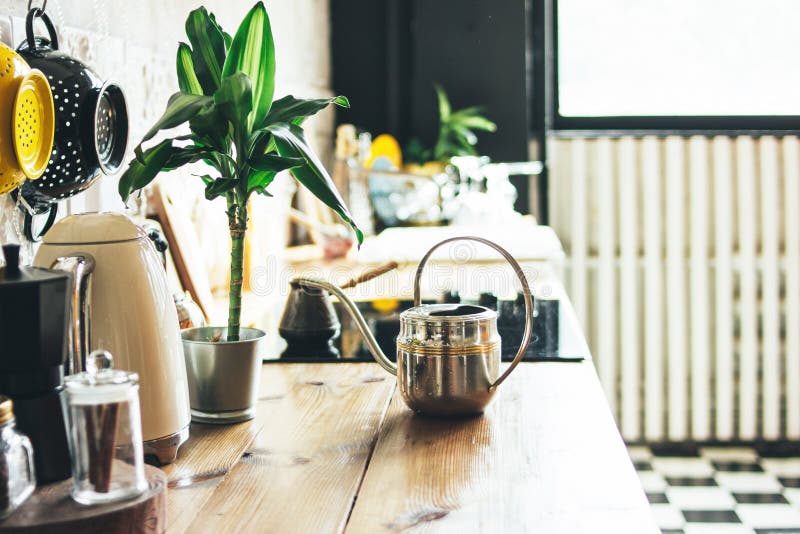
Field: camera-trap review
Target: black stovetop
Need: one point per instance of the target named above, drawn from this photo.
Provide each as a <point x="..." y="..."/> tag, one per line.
<point x="556" y="333"/>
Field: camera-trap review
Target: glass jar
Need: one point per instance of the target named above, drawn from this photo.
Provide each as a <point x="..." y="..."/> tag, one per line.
<point x="189" y="313"/>
<point x="105" y="432"/>
<point x="17" y="478"/>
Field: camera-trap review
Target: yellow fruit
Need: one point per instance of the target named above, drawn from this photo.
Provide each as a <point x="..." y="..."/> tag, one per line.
<point x="386" y="145"/>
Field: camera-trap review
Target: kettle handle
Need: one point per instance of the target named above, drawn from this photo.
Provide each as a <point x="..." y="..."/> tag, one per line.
<point x="81" y="266"/>
<point x="526" y="291"/>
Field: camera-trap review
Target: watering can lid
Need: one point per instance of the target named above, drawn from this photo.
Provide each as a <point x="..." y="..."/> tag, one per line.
<point x="449" y="313"/>
<point x="93" y="228"/>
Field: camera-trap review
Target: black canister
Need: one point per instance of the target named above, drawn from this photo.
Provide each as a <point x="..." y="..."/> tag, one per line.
<point x="34" y="315"/>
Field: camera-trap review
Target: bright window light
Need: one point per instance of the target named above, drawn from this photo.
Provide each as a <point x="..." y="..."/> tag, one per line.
<point x="678" y="57"/>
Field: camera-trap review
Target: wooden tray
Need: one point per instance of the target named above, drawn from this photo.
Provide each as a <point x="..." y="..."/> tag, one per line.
<point x="51" y="509"/>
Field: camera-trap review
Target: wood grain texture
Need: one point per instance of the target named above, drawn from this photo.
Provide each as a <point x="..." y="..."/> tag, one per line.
<point x="304" y="468"/>
<point x="546" y="457"/>
<point x="202" y="463"/>
<point x="51" y="509"/>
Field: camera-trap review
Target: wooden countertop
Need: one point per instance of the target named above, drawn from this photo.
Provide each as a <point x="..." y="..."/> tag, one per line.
<point x="334" y="449"/>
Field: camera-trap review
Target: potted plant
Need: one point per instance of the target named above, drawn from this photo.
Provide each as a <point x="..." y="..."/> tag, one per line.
<point x="456" y="137"/>
<point x="245" y="138"/>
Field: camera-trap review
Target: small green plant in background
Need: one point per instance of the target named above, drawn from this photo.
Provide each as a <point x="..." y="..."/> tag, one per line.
<point x="456" y="133"/>
<point x="243" y="135"/>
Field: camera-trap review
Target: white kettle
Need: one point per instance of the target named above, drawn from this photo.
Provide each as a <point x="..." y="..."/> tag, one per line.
<point x="127" y="309"/>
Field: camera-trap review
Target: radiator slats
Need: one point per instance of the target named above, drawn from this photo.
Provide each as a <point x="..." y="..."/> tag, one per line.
<point x="685" y="268"/>
<point x="699" y="326"/>
<point x="791" y="169"/>
<point x="578" y="227"/>
<point x="770" y="314"/>
<point x="653" y="291"/>
<point x="748" y="347"/>
<point x="606" y="296"/>
<point x="676" y="294"/>
<point x="723" y="238"/>
<point x="630" y="350"/>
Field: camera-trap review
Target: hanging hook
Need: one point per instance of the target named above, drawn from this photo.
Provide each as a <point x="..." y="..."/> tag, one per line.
<point x="23" y="205"/>
<point x="39" y="10"/>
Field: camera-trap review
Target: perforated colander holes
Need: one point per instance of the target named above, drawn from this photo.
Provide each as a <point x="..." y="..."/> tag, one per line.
<point x="29" y="116"/>
<point x="64" y="98"/>
<point x="105" y="125"/>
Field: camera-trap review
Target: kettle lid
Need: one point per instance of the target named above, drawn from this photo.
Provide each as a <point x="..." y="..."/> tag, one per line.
<point x="93" y="228"/>
<point x="13" y="273"/>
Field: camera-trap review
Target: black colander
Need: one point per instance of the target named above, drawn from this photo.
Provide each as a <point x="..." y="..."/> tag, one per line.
<point x="91" y="127"/>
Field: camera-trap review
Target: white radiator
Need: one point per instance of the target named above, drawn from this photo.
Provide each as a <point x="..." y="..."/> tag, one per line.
<point x="684" y="269"/>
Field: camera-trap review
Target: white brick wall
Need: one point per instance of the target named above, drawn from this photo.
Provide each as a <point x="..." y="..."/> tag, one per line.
<point x="134" y="42"/>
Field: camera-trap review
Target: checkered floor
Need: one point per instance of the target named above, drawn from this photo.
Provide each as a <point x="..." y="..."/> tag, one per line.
<point x="721" y="490"/>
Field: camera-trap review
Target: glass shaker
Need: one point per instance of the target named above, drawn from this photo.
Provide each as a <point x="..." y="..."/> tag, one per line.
<point x="17" y="478"/>
<point x="101" y="407"/>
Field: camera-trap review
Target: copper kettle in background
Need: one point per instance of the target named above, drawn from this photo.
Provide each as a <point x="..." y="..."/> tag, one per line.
<point x="128" y="310"/>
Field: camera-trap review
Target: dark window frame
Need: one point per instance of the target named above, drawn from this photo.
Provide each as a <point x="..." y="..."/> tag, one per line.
<point x="562" y="126"/>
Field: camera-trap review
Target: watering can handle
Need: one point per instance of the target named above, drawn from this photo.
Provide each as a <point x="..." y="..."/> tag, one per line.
<point x="526" y="291"/>
<point x="51" y="30"/>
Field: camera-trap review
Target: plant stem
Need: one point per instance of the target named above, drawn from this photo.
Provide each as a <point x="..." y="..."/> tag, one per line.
<point x="237" y="223"/>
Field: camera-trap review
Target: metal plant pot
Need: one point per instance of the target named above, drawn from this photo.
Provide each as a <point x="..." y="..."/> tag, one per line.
<point x="223" y="375"/>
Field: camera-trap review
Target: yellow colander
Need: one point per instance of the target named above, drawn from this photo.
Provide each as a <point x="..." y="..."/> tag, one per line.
<point x="27" y="120"/>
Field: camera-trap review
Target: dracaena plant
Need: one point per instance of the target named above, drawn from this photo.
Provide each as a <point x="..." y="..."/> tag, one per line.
<point x="242" y="135"/>
<point x="456" y="132"/>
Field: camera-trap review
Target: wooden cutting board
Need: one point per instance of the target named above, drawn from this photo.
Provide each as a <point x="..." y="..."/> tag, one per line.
<point x="51" y="509"/>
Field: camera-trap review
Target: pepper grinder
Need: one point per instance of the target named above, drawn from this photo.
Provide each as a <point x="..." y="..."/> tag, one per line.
<point x="34" y="327"/>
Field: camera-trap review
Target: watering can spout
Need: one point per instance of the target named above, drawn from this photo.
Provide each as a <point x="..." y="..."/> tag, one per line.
<point x="299" y="283"/>
<point x="352" y="309"/>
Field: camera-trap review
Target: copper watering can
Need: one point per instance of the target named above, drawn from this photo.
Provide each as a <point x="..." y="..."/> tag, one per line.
<point x="448" y="355"/>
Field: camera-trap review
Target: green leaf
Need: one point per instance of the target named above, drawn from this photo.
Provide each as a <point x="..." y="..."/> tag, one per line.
<point x="289" y="108"/>
<point x="141" y="172"/>
<point x="444" y="103"/>
<point x="234" y="99"/>
<point x="447" y="149"/>
<point x="211" y="128"/>
<point x="468" y="111"/>
<point x="258" y="181"/>
<point x="187" y="79"/>
<point x="181" y="156"/>
<point x="207" y="179"/>
<point x="208" y="48"/>
<point x="475" y="122"/>
<point x="252" y="51"/>
<point x="219" y="187"/>
<point x="181" y="108"/>
<point x="415" y="152"/>
<point x="225" y="35"/>
<point x="290" y="141"/>
<point x="464" y="133"/>
<point x="274" y="163"/>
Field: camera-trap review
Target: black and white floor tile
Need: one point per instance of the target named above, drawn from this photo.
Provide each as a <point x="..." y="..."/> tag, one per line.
<point x="721" y="490"/>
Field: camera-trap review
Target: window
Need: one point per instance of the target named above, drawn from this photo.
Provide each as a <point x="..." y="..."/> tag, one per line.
<point x="677" y="63"/>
